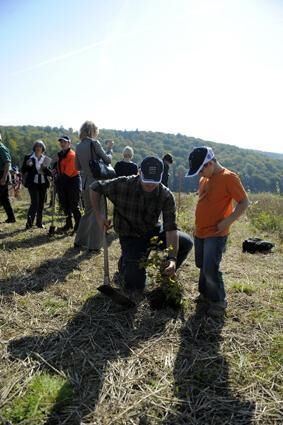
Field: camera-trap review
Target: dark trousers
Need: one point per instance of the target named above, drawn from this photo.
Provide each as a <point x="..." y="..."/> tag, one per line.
<point x="69" y="190"/>
<point x="135" y="249"/>
<point x="5" y="201"/>
<point x="37" y="194"/>
<point x="208" y="255"/>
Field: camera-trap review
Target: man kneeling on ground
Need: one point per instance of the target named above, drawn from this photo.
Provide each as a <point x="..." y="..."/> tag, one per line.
<point x="138" y="202"/>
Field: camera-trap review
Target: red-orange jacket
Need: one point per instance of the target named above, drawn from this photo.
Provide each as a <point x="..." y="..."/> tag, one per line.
<point x="66" y="165"/>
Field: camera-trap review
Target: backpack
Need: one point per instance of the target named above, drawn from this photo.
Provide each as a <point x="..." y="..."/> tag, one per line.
<point x="253" y="245"/>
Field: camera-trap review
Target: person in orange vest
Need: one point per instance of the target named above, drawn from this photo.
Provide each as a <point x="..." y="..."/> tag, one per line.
<point x="68" y="184"/>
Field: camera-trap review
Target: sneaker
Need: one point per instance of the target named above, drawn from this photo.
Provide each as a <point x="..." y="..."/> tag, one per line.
<point x="40" y="226"/>
<point x="217" y="309"/>
<point x="10" y="220"/>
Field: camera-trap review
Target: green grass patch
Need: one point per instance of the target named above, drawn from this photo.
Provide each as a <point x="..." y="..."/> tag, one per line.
<point x="53" y="305"/>
<point x="243" y="288"/>
<point x="42" y="393"/>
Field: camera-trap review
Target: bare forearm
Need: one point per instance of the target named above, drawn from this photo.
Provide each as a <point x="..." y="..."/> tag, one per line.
<point x="172" y="240"/>
<point x="239" y="210"/>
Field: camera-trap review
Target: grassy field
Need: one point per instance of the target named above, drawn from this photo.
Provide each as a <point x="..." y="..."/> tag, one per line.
<point x="69" y="356"/>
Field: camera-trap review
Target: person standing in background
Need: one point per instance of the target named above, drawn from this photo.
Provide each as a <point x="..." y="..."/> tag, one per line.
<point x="218" y="188"/>
<point x="35" y="169"/>
<point x="68" y="183"/>
<point x="126" y="167"/>
<point x="89" y="234"/>
<point x="5" y="164"/>
<point x="167" y="161"/>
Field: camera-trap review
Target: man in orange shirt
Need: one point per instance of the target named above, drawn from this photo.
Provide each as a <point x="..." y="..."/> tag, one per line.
<point x="68" y="184"/>
<point x="215" y="212"/>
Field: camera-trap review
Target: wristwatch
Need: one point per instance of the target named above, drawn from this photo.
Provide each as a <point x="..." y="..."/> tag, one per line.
<point x="171" y="257"/>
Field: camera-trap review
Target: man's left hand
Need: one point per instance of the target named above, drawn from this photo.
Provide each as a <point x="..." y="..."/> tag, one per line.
<point x="170" y="269"/>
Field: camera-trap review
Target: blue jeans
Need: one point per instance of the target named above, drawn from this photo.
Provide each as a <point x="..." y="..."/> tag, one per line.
<point x="135" y="249"/>
<point x="208" y="255"/>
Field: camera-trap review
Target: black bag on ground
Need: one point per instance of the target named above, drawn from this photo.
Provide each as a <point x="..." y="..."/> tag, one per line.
<point x="99" y="169"/>
<point x="253" y="245"/>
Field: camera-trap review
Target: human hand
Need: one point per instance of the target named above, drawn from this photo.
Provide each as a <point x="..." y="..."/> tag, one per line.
<point x="109" y="144"/>
<point x="29" y="163"/>
<point x="170" y="270"/>
<point x="104" y="223"/>
<point x="223" y="225"/>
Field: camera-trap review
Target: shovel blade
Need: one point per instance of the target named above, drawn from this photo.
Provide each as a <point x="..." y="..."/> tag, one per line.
<point x="116" y="296"/>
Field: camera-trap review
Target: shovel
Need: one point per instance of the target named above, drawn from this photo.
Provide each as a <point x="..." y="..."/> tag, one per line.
<point x="106" y="288"/>
<point x="52" y="228"/>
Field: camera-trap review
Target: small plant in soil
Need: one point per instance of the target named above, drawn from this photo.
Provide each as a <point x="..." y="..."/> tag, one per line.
<point x="169" y="292"/>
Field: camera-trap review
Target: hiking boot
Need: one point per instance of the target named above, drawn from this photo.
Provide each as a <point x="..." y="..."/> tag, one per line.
<point x="217" y="309"/>
<point x="64" y="229"/>
<point x="201" y="299"/>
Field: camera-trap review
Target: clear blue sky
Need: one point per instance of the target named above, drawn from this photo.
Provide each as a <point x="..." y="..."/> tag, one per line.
<point x="205" y="68"/>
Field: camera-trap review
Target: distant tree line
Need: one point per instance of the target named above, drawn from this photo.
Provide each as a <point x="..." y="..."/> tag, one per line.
<point x="259" y="171"/>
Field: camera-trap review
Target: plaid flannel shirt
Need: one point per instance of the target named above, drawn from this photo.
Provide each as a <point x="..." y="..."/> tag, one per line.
<point x="136" y="212"/>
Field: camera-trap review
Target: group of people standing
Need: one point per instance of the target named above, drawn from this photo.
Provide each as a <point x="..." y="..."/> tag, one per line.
<point x="140" y="196"/>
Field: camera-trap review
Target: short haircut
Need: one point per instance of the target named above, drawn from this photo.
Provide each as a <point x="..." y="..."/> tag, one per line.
<point x="168" y="157"/>
<point x="88" y="129"/>
<point x="128" y="151"/>
<point x="39" y="143"/>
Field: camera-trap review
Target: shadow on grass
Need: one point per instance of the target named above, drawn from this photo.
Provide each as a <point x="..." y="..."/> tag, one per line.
<point x="11" y="233"/>
<point x="49" y="272"/>
<point x="201" y="377"/>
<point x="100" y="333"/>
<point x="29" y="242"/>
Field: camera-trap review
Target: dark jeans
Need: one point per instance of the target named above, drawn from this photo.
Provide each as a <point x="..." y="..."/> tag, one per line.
<point x="135" y="249"/>
<point x="208" y="255"/>
<point x="5" y="202"/>
<point x="69" y="190"/>
<point x="37" y="194"/>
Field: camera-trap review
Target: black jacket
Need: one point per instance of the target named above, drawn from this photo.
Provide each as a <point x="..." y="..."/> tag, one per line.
<point x="30" y="172"/>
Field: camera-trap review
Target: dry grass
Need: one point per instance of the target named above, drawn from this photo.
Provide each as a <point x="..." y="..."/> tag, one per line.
<point x="138" y="366"/>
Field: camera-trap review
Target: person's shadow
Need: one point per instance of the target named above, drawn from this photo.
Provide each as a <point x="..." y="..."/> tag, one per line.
<point x="32" y="241"/>
<point x="100" y="333"/>
<point x="201" y="376"/>
<point x="48" y="273"/>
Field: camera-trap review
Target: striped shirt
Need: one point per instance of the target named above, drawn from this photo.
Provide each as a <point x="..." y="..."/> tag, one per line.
<point x="137" y="212"/>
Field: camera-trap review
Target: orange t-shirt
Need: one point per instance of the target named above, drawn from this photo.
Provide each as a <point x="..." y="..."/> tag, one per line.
<point x="216" y="195"/>
<point x="67" y="164"/>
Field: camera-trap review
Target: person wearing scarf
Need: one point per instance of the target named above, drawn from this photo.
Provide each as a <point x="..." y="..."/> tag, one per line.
<point x="35" y="169"/>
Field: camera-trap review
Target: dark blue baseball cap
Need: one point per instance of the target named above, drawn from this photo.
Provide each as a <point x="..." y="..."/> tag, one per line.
<point x="151" y="170"/>
<point x="198" y="158"/>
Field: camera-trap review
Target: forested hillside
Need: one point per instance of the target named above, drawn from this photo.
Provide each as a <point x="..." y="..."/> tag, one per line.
<point x="259" y="172"/>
